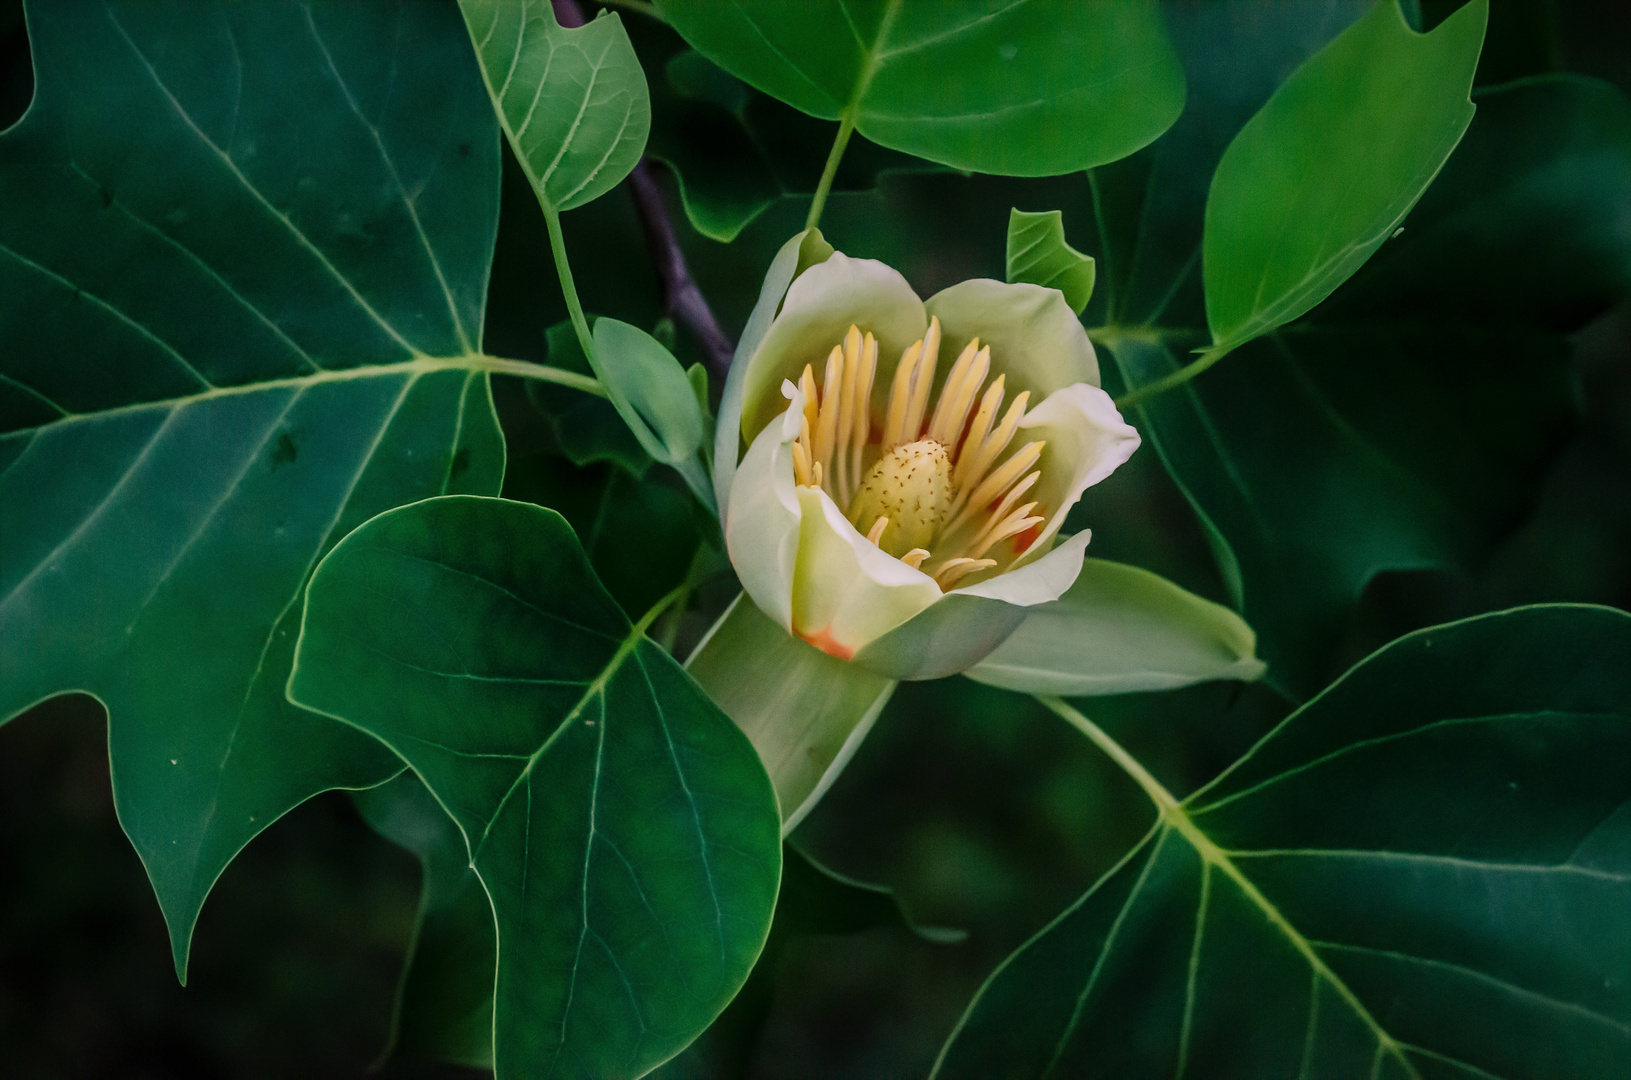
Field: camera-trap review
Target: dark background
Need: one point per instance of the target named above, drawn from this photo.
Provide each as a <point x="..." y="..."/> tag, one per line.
<point x="983" y="811"/>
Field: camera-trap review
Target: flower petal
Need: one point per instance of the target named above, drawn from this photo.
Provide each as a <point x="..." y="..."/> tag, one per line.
<point x="801" y="252"/>
<point x="804" y="711"/>
<point x="821" y="305"/>
<point x="1121" y="630"/>
<point x="846" y="592"/>
<point x="1035" y="339"/>
<point x="762" y="522"/>
<point x="969" y="623"/>
<point x="1087" y="440"/>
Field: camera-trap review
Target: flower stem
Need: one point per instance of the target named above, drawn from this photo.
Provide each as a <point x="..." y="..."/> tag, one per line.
<point x="845" y="127"/>
<point x="1138" y="395"/>
<point x="563" y="269"/>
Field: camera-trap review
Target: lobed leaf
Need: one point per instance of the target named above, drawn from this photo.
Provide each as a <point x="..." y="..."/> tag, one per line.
<point x="573" y="102"/>
<point x="1016" y="88"/>
<point x="243" y="265"/>
<point x="1423" y="872"/>
<point x="1323" y="174"/>
<point x="1037" y="253"/>
<point x="620" y="823"/>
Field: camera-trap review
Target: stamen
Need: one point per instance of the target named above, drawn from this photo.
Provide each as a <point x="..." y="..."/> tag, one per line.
<point x="915" y="557"/>
<point x="801" y="466"/>
<point x="1004" y="506"/>
<point x="965" y="380"/>
<point x="900" y="399"/>
<point x="875" y="533"/>
<point x="826" y="431"/>
<point x="955" y="569"/>
<point x="990" y="405"/>
<point x="986" y="455"/>
<point x="812" y="401"/>
<point x="923" y="381"/>
<point x="861" y="422"/>
<point x="815" y="474"/>
<point x="846" y="413"/>
<point x="995" y="484"/>
<point x="1012" y="525"/>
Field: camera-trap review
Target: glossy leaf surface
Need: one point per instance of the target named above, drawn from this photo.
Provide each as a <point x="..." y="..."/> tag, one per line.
<point x="1326" y="170"/>
<point x="573" y="102"/>
<point x="1405" y="422"/>
<point x="1121" y="630"/>
<point x="621" y="825"/>
<point x="1425" y="872"/>
<point x="1040" y="88"/>
<point x="1037" y="253"/>
<point x="243" y="262"/>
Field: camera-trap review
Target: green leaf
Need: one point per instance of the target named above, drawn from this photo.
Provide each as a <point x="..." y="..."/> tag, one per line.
<point x="1324" y="173"/>
<point x="588" y="429"/>
<point x="620" y="824"/>
<point x="805" y="712"/>
<point x="1421" y="873"/>
<point x="650" y="391"/>
<point x="243" y="267"/>
<point x="1406" y="422"/>
<point x="572" y="102"/>
<point x="1037" y="253"/>
<point x="444" y="1002"/>
<point x="1121" y="630"/>
<point x="1014" y="88"/>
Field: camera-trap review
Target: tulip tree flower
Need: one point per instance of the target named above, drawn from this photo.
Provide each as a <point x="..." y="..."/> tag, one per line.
<point x="893" y="475"/>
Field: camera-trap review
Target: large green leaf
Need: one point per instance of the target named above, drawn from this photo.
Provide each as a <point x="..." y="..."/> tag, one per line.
<point x="573" y="102"/>
<point x="243" y="262"/>
<point x="1404" y="422"/>
<point x="620" y="823"/>
<point x="1326" y="170"/>
<point x="1425" y="872"/>
<point x="1012" y="87"/>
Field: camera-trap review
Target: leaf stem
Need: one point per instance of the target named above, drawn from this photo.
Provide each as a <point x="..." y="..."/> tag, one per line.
<point x="846" y="127"/>
<point x="1159" y="795"/>
<point x="1140" y="394"/>
<point x="563" y="270"/>
<point x="526" y="369"/>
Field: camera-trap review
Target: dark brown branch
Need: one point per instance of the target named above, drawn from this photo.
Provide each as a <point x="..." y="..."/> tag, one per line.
<point x="682" y="299"/>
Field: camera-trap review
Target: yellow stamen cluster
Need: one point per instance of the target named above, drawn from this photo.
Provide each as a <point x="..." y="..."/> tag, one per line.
<point x="928" y="489"/>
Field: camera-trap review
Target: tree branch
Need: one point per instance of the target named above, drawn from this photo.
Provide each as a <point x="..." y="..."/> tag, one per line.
<point x="682" y="299"/>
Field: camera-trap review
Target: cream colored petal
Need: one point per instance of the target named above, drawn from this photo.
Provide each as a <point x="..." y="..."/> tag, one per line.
<point x="967" y="624"/>
<point x="762" y="520"/>
<point x="1087" y="440"/>
<point x="845" y="591"/>
<point x="819" y="309"/>
<point x="1035" y="339"/>
<point x="804" y="250"/>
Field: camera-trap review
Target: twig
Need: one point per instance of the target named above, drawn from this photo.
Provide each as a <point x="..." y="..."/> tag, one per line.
<point x="682" y="299"/>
